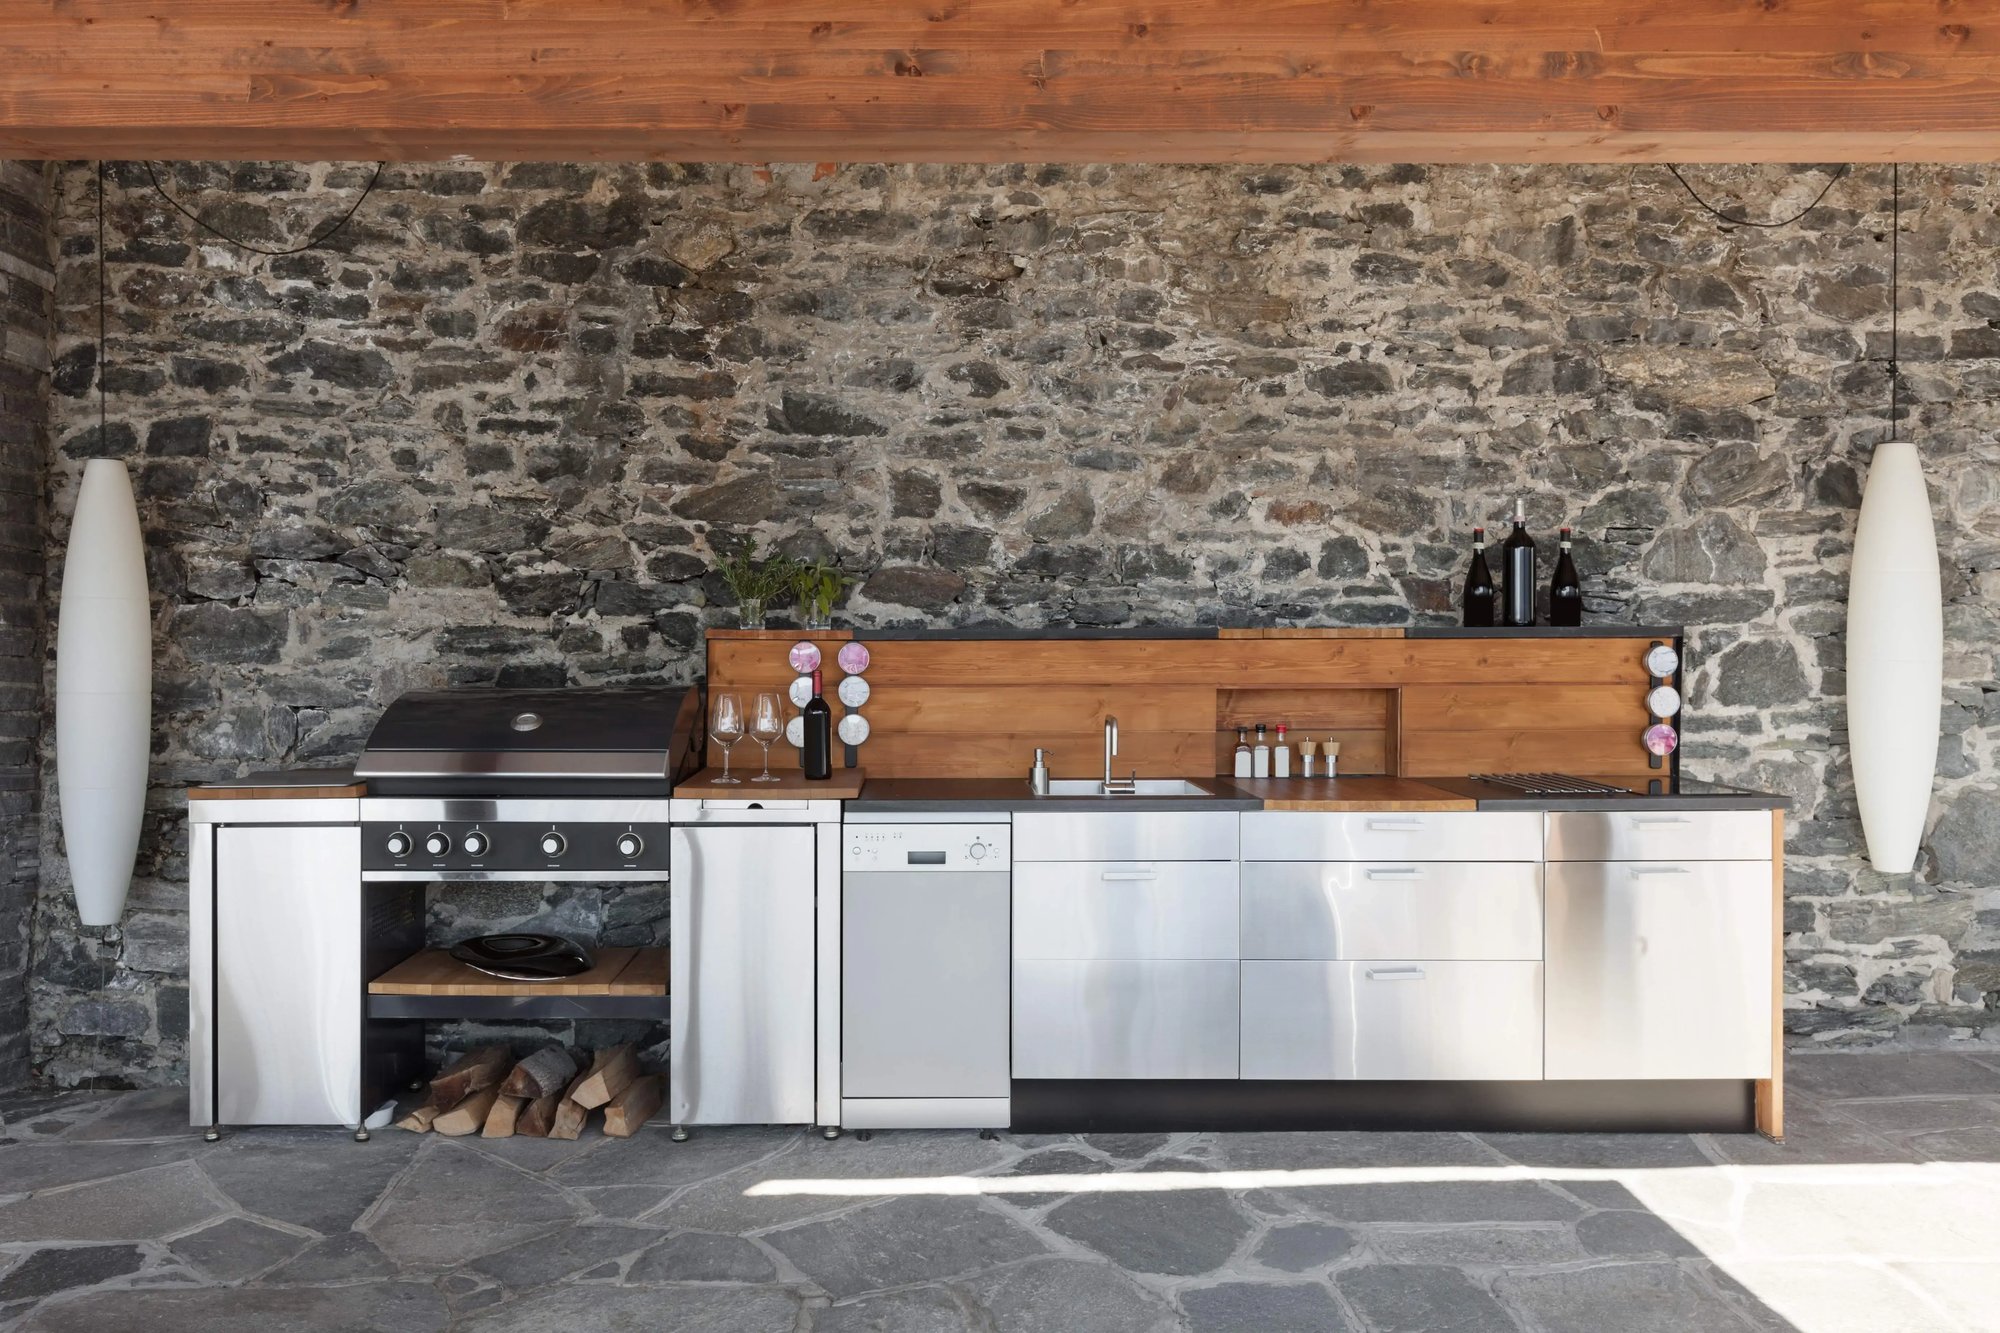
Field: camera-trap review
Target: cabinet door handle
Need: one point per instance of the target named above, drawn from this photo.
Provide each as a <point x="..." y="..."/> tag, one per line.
<point x="1659" y="870"/>
<point x="1130" y="874"/>
<point x="1645" y="820"/>
<point x="1393" y="872"/>
<point x="1395" y="974"/>
<point x="1395" y="826"/>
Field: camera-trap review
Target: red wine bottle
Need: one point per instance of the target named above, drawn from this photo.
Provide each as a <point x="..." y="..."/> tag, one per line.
<point x="1517" y="558"/>
<point x="817" y="753"/>
<point x="1480" y="594"/>
<point x="1565" y="590"/>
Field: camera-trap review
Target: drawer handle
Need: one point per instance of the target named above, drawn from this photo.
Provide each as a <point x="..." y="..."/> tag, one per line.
<point x="1395" y="974"/>
<point x="1130" y="874"/>
<point x="1395" y="826"/>
<point x="1659" y="870"/>
<point x="1645" y="821"/>
<point x="1393" y="872"/>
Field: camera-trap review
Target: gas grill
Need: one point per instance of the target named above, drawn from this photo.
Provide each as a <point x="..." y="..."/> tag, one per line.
<point x="489" y="784"/>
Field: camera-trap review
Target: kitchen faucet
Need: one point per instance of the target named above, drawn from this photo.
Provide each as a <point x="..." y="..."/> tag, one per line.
<point x="1115" y="786"/>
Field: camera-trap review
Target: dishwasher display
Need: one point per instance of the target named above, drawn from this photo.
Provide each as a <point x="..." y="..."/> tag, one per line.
<point x="924" y="975"/>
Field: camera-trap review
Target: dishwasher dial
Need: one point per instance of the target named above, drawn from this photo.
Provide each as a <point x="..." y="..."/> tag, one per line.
<point x="399" y="845"/>
<point x="475" y="843"/>
<point x="977" y="851"/>
<point x="554" y="844"/>
<point x="630" y="845"/>
<point x="437" y="844"/>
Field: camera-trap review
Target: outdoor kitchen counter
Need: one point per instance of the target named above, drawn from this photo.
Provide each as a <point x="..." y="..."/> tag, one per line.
<point x="910" y="795"/>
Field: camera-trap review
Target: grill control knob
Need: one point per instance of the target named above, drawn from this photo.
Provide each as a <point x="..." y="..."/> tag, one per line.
<point x="475" y="843"/>
<point x="554" y="844"/>
<point x="399" y="845"/>
<point x="437" y="844"/>
<point x="630" y="845"/>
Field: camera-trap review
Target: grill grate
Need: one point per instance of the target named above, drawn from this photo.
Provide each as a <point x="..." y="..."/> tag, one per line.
<point x="1551" y="784"/>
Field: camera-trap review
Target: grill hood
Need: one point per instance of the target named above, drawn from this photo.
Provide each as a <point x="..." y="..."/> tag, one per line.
<point x="610" y="742"/>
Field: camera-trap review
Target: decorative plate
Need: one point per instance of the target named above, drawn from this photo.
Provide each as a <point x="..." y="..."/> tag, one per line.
<point x="1663" y="701"/>
<point x="803" y="657"/>
<point x="795" y="733"/>
<point x="1660" y="739"/>
<point x="1662" y="661"/>
<point x="854" y="691"/>
<point x="853" y="657"/>
<point x="853" y="729"/>
<point x="801" y="691"/>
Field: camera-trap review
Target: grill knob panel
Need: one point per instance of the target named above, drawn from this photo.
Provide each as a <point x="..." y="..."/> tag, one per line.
<point x="398" y="845"/>
<point x="475" y="843"/>
<point x="554" y="844"/>
<point x="630" y="845"/>
<point x="437" y="844"/>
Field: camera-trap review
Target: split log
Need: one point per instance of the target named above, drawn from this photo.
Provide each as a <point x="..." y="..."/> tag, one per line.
<point x="469" y="1116"/>
<point x="500" y="1120"/>
<point x="611" y="1072"/>
<point x="570" y="1116"/>
<point x="633" y="1107"/>
<point x="470" y="1073"/>
<point x="418" y="1121"/>
<point x="547" y="1070"/>
<point x="539" y="1115"/>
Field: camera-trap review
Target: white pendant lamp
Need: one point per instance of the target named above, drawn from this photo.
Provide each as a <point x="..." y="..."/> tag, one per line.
<point x="104" y="671"/>
<point x="104" y="692"/>
<point x="1895" y="640"/>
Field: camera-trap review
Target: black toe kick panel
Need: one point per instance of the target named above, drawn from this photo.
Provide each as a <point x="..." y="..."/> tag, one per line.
<point x="1677" y="1106"/>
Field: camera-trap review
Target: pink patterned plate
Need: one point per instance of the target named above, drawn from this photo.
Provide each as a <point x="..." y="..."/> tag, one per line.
<point x="853" y="657"/>
<point x="804" y="656"/>
<point x="1660" y="739"/>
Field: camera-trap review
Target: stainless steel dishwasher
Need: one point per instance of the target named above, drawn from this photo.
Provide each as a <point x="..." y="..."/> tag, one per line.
<point x="925" y="911"/>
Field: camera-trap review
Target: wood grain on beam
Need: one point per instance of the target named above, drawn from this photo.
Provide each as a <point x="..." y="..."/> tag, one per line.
<point x="1003" y="80"/>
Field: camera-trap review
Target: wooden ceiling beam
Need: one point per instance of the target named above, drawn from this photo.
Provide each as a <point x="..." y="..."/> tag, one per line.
<point x="1004" y="80"/>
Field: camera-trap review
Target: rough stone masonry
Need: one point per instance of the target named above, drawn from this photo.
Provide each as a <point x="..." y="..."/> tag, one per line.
<point x="498" y="430"/>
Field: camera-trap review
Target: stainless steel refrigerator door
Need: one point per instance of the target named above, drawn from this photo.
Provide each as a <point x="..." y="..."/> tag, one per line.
<point x="1659" y="969"/>
<point x="288" y="975"/>
<point x="741" y="985"/>
<point x="925" y="983"/>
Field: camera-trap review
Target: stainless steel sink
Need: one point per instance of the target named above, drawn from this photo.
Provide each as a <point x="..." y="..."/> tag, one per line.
<point x="1150" y="787"/>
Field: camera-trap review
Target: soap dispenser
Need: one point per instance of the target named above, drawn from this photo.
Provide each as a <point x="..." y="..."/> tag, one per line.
<point x="1242" y="752"/>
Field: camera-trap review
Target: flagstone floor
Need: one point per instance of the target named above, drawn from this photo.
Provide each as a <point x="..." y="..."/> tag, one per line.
<point x="1880" y="1213"/>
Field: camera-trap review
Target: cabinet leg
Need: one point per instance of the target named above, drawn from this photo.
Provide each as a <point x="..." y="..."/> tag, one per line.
<point x="988" y="1135"/>
<point x="680" y="1134"/>
<point x="361" y="1134"/>
<point x="863" y="1135"/>
<point x="829" y="1132"/>
<point x="213" y="1134"/>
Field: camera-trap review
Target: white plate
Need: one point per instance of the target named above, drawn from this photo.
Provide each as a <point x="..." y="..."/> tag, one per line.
<point x="853" y="729"/>
<point x="801" y="691"/>
<point x="795" y="733"/>
<point x="854" y="691"/>
<point x="1664" y="701"/>
<point x="1662" y="661"/>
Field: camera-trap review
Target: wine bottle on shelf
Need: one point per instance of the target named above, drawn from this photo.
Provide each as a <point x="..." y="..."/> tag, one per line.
<point x="816" y="755"/>
<point x="1565" y="590"/>
<point x="1479" y="591"/>
<point x="1517" y="558"/>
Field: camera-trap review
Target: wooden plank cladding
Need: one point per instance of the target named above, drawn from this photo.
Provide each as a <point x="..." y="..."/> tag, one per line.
<point x="1004" y="80"/>
<point x="1408" y="707"/>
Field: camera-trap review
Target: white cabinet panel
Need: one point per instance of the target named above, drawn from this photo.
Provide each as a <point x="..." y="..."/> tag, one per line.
<point x="1124" y="1019"/>
<point x="1125" y="909"/>
<point x="1125" y="835"/>
<point x="1450" y="835"/>
<point x="1392" y="909"/>
<point x="1660" y="835"/>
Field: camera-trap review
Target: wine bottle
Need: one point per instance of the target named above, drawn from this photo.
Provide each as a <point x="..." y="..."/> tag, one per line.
<point x="1565" y="590"/>
<point x="816" y="757"/>
<point x="1517" y="558"/>
<point x="1479" y="592"/>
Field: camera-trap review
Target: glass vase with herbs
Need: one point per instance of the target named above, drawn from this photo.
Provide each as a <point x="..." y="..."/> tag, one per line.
<point x="756" y="583"/>
<point x="818" y="586"/>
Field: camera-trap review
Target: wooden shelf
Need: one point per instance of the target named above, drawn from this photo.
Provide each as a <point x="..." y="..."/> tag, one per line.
<point x="625" y="983"/>
<point x="844" y="785"/>
<point x="1355" y="793"/>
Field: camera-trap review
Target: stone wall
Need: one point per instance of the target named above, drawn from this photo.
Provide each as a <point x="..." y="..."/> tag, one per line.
<point x="27" y="305"/>
<point x="497" y="431"/>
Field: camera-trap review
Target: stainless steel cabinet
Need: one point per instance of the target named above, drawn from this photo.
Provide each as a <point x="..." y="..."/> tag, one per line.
<point x="1659" y="969"/>
<point x="1375" y="909"/>
<point x="1151" y="1018"/>
<point x="1125" y="909"/>
<point x="1664" y="835"/>
<point x="1392" y="1020"/>
<point x="1126" y="835"/>
<point x="1451" y="835"/>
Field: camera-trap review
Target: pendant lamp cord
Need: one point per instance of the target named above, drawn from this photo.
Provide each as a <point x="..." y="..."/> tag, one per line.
<point x="317" y="239"/>
<point x="1895" y="293"/>
<point x="1738" y="220"/>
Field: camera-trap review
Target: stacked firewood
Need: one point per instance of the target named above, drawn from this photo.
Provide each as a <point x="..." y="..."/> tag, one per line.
<point x="548" y="1095"/>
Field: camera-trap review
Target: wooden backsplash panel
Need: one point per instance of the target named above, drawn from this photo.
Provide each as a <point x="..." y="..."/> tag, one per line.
<point x="1421" y="707"/>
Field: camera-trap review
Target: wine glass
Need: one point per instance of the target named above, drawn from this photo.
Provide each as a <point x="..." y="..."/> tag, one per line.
<point x="725" y="729"/>
<point x="767" y="723"/>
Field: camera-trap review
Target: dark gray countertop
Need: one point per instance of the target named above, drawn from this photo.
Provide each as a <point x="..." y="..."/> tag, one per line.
<point x="1691" y="796"/>
<point x="1012" y="794"/>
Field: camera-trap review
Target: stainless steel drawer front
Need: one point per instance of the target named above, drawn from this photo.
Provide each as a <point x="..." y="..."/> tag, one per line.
<point x="1392" y="1020"/>
<point x="1154" y="1019"/>
<point x="1454" y="835"/>
<point x="1126" y="835"/>
<point x="1659" y="969"/>
<point x="1663" y="835"/>
<point x="1392" y="909"/>
<point x="1125" y="909"/>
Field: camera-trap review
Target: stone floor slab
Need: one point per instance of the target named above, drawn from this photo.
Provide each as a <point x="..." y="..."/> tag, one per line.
<point x="1298" y="1247"/>
<point x="44" y="1166"/>
<point x="1049" y="1294"/>
<point x="695" y="1256"/>
<point x="1968" y="1292"/>
<point x="903" y="1242"/>
<point x="149" y="1116"/>
<point x="1889" y="1074"/>
<point x="650" y="1157"/>
<point x="1599" y="1150"/>
<point x="1317" y="1151"/>
<point x="724" y="1204"/>
<point x="236" y="1248"/>
<point x="601" y="1309"/>
<point x="1179" y="1232"/>
<point x="1815" y="1132"/>
<point x="1820" y="1297"/>
<point x="1632" y="1234"/>
<point x="1422" y="1298"/>
<point x="455" y="1205"/>
<point x="324" y="1186"/>
<point x="1518" y="1245"/>
<point x="1263" y="1307"/>
<point x="1438" y="1201"/>
<point x="348" y="1257"/>
<point x="922" y="1310"/>
<point x="144" y="1204"/>
<point x="1628" y="1297"/>
<point x="387" y="1307"/>
<point x="64" y="1268"/>
<point x="550" y="1258"/>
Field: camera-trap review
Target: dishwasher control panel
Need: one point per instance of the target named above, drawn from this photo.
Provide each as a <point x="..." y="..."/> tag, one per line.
<point x="927" y="847"/>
